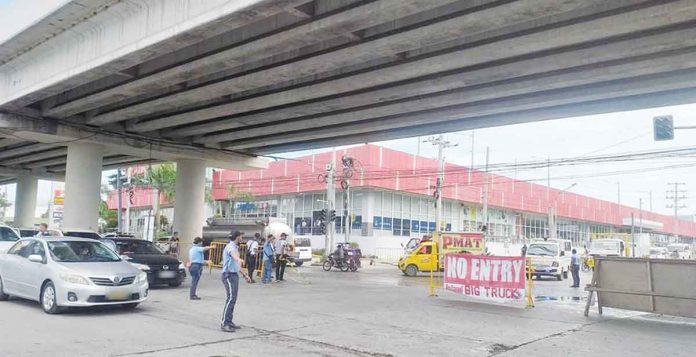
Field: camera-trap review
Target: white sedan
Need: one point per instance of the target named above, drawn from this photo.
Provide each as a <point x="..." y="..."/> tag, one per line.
<point x="61" y="272"/>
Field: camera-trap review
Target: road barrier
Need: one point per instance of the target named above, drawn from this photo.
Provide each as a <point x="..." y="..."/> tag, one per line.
<point x="389" y="255"/>
<point x="663" y="286"/>
<point x="217" y="249"/>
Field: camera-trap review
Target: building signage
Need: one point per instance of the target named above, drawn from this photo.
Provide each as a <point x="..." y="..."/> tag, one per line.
<point x="499" y="279"/>
<point x="58" y="197"/>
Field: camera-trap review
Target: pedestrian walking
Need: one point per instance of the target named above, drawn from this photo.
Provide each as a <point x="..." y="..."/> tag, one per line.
<point x="174" y="244"/>
<point x="231" y="268"/>
<point x="43" y="231"/>
<point x="195" y="265"/>
<point x="252" y="250"/>
<point x="268" y="259"/>
<point x="281" y="256"/>
<point x="575" y="268"/>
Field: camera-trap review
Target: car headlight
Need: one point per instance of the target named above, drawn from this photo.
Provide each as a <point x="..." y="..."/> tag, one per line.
<point x="142" y="276"/>
<point x="74" y="279"/>
<point x="181" y="266"/>
<point x="554" y="264"/>
<point x="142" y="267"/>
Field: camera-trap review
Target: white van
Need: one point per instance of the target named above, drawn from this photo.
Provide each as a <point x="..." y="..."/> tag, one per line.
<point x="548" y="258"/>
<point x="607" y="247"/>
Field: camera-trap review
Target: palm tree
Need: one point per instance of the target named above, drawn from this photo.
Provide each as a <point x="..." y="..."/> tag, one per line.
<point x="161" y="179"/>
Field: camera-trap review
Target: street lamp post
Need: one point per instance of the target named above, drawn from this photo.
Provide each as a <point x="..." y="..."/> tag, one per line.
<point x="554" y="216"/>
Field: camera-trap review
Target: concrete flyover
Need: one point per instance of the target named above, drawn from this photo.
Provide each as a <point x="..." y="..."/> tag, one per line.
<point x="224" y="81"/>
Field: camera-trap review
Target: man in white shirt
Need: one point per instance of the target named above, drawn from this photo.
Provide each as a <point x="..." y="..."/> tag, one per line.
<point x="281" y="256"/>
<point x="252" y="253"/>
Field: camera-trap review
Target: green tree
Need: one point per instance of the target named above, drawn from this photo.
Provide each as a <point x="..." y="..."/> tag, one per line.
<point x="236" y="195"/>
<point x="4" y="203"/>
<point x="162" y="179"/>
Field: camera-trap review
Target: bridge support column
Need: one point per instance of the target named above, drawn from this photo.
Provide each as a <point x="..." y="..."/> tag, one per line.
<point x="189" y="203"/>
<point x="25" y="201"/>
<point x="82" y="186"/>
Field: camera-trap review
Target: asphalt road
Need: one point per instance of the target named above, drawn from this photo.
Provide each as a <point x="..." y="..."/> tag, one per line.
<point x="375" y="312"/>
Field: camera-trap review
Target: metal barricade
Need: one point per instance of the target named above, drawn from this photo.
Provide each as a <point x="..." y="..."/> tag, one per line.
<point x="215" y="254"/>
<point x="662" y="286"/>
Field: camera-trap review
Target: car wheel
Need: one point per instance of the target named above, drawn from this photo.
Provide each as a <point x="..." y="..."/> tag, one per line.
<point x="298" y="264"/>
<point x="176" y="285"/>
<point x="130" y="306"/>
<point x="327" y="265"/>
<point x="411" y="270"/>
<point x="538" y="277"/>
<point x="49" y="301"/>
<point x="3" y="296"/>
<point x="559" y="276"/>
<point x="565" y="274"/>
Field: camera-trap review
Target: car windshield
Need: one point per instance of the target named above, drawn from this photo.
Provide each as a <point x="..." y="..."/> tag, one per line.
<point x="303" y="242"/>
<point x="81" y="252"/>
<point x="90" y="235"/>
<point x="605" y="245"/>
<point x="8" y="235"/>
<point x="134" y="247"/>
<point x="543" y="250"/>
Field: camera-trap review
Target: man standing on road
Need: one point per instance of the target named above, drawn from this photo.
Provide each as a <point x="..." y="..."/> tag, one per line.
<point x="196" y="259"/>
<point x="281" y="256"/>
<point x="43" y="230"/>
<point x="252" y="247"/>
<point x="231" y="268"/>
<point x="575" y="268"/>
<point x="268" y="260"/>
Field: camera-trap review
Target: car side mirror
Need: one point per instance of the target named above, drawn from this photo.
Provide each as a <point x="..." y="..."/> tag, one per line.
<point x="402" y="245"/>
<point x="35" y="258"/>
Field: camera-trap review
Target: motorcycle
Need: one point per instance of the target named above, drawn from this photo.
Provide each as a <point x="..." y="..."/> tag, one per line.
<point x="332" y="262"/>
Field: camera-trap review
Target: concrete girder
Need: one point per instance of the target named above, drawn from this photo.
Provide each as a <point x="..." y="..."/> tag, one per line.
<point x="477" y="92"/>
<point x="52" y="153"/>
<point x="314" y="32"/>
<point x="611" y="89"/>
<point x="52" y="163"/>
<point x="481" y="55"/>
<point x="652" y="100"/>
<point x="26" y="149"/>
<point x="53" y="134"/>
<point x="523" y="11"/>
<point x="25" y="201"/>
<point x="124" y="36"/>
<point x="41" y="174"/>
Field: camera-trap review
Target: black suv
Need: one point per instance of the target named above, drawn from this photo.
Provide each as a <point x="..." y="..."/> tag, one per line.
<point x="160" y="268"/>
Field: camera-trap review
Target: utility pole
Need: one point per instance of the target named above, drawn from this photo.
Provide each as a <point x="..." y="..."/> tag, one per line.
<point x="471" y="168"/>
<point x="651" y="201"/>
<point x="618" y="191"/>
<point x="548" y="178"/>
<point x="677" y="195"/>
<point x="441" y="144"/>
<point x="119" y="214"/>
<point x="633" y="238"/>
<point x="348" y="171"/>
<point x="331" y="204"/>
<point x="485" y="195"/>
<point x="640" y="216"/>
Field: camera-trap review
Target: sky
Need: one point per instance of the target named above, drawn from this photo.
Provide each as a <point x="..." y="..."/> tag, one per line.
<point x="563" y="138"/>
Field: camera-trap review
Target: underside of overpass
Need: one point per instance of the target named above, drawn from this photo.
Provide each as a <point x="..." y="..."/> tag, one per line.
<point x="226" y="81"/>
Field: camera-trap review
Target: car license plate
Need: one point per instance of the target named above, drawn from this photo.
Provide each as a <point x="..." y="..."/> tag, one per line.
<point x="119" y="295"/>
<point x="167" y="274"/>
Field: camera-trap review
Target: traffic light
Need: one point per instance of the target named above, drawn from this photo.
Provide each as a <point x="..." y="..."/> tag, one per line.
<point x="663" y="127"/>
<point x="332" y="215"/>
<point x="322" y="221"/>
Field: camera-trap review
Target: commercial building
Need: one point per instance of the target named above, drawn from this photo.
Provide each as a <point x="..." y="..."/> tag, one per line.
<point x="391" y="199"/>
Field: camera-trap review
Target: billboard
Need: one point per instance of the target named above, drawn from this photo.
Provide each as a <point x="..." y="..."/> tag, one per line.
<point x="458" y="242"/>
<point x="492" y="278"/>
